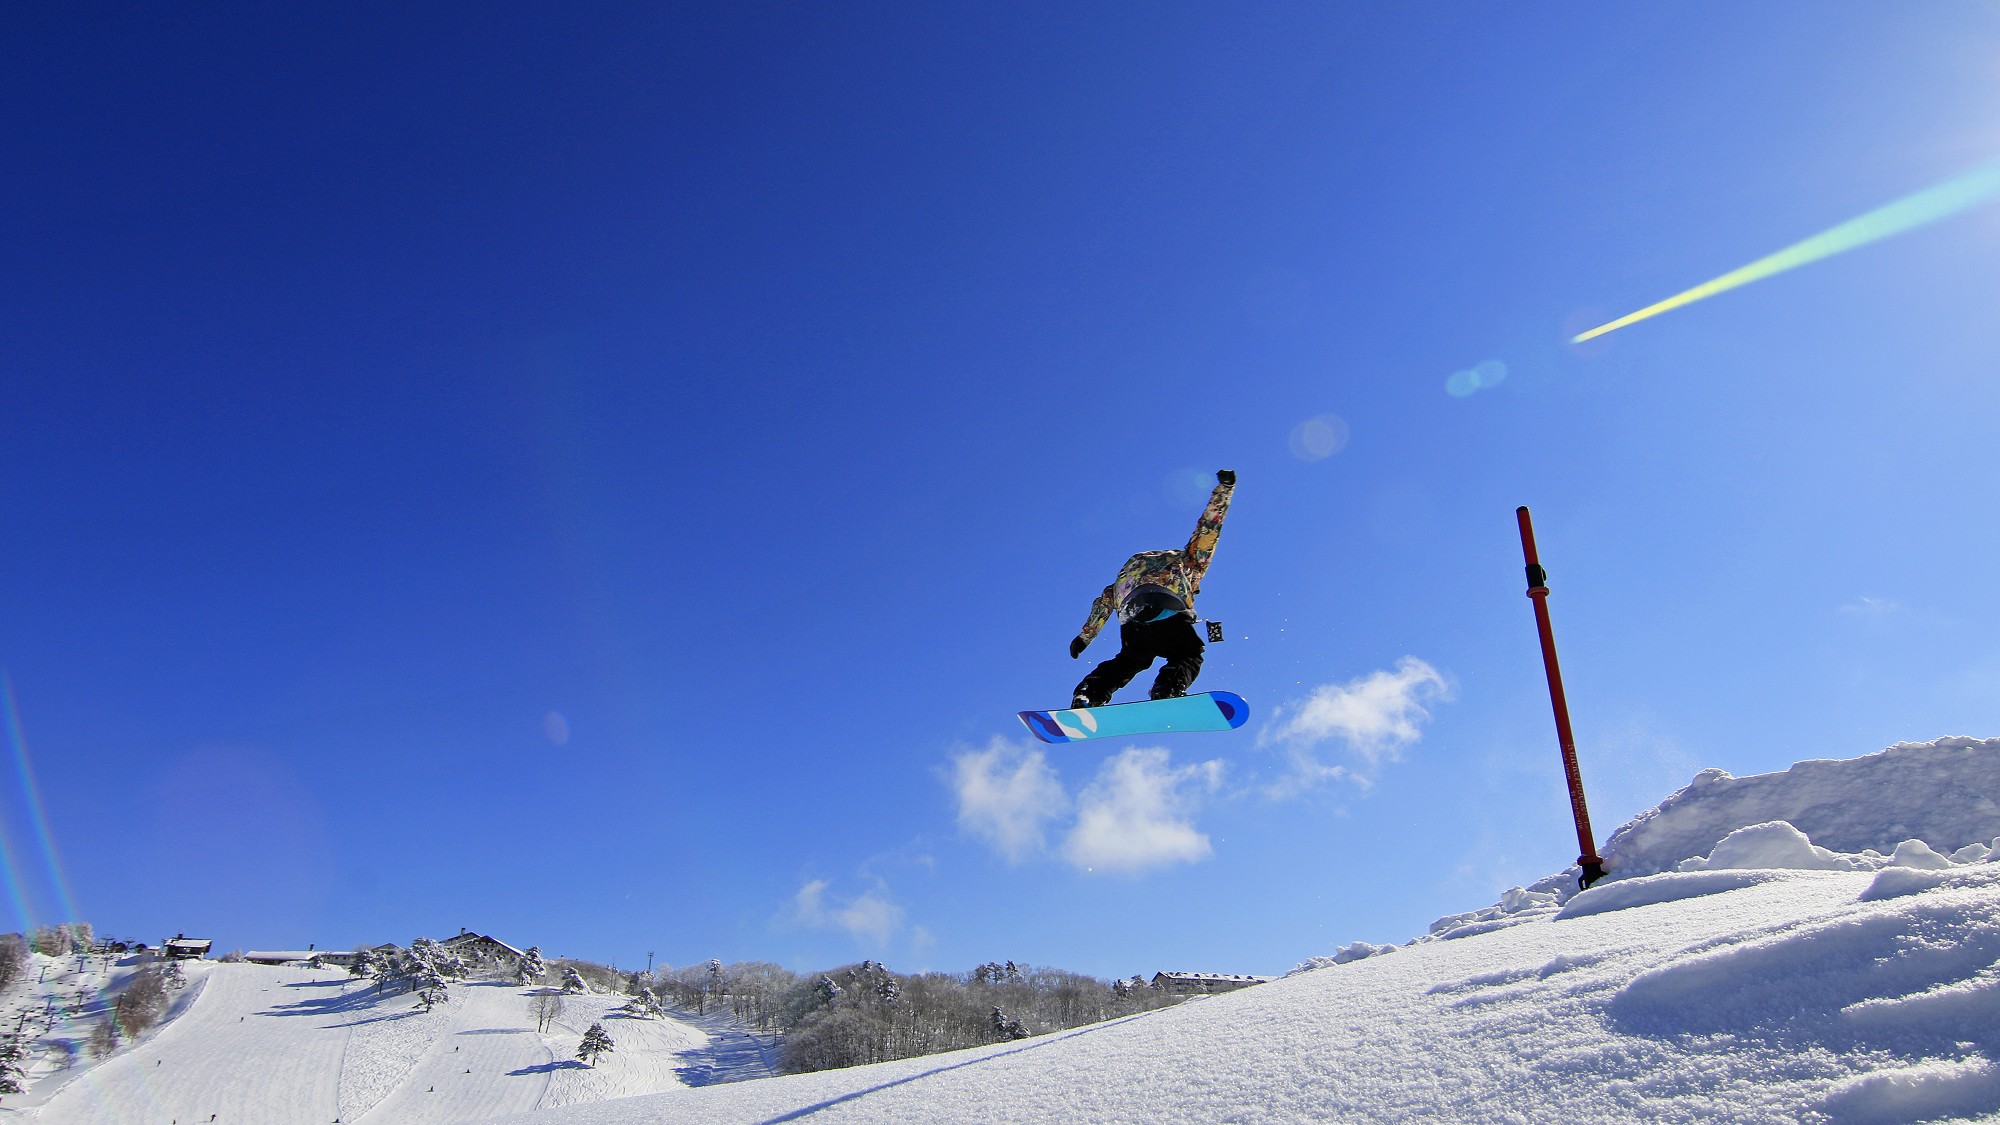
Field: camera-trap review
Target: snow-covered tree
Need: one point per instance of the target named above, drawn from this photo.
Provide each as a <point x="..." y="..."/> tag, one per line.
<point x="429" y="967"/>
<point x="13" y="1060"/>
<point x="387" y="967"/>
<point x="363" y="965"/>
<point x="572" y="981"/>
<point x="646" y="1005"/>
<point x="432" y="990"/>
<point x="447" y="964"/>
<point x="993" y="972"/>
<point x="173" y="976"/>
<point x="531" y="968"/>
<point x="1006" y="1026"/>
<point x="596" y="1041"/>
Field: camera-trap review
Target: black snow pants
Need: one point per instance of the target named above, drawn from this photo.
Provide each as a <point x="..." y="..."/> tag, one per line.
<point x="1139" y="644"/>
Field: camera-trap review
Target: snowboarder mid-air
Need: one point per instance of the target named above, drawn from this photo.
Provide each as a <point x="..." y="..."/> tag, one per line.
<point x="1153" y="596"/>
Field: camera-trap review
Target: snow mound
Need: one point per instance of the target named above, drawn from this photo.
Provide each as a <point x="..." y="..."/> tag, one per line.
<point x="1934" y="792"/>
<point x="1899" y="882"/>
<point x="1516" y="906"/>
<point x="1775" y="845"/>
<point x="1651" y="890"/>
<point x="1346" y="954"/>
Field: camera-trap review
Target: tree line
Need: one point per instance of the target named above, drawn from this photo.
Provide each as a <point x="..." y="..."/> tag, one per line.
<point x="866" y="1012"/>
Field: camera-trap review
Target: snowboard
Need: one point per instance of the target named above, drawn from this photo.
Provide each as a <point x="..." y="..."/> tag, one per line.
<point x="1215" y="710"/>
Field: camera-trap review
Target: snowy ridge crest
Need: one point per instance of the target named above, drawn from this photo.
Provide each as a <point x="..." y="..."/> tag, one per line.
<point x="1916" y="806"/>
<point x="1936" y="792"/>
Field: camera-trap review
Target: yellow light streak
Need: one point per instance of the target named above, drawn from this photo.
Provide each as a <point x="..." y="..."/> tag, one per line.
<point x="1938" y="201"/>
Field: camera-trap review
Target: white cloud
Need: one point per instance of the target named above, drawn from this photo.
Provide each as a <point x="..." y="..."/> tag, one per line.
<point x="1373" y="718"/>
<point x="1866" y="606"/>
<point x="868" y="916"/>
<point x="1006" y="795"/>
<point x="1135" y="814"/>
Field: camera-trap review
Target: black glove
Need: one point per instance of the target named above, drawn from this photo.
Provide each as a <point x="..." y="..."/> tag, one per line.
<point x="1226" y="476"/>
<point x="1077" y="646"/>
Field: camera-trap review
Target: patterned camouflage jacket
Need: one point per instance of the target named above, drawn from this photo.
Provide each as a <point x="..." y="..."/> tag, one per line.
<point x="1176" y="572"/>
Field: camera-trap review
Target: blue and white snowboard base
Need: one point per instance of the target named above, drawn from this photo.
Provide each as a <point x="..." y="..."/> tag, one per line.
<point x="1215" y="710"/>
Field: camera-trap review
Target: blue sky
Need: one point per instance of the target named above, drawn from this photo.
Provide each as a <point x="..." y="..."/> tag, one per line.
<point x="609" y="478"/>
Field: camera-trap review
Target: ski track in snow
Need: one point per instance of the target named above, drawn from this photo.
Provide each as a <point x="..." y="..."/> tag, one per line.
<point x="232" y="1052"/>
<point x="297" y="1046"/>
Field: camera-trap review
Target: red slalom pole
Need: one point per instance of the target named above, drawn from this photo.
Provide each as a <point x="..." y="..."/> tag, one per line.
<point x="1538" y="592"/>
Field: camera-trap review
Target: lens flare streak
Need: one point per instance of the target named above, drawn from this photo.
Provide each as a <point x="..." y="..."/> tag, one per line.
<point x="31" y="798"/>
<point x="1939" y="201"/>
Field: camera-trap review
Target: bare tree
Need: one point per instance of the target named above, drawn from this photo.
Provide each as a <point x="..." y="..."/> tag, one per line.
<point x="754" y="988"/>
<point x="865" y="1013"/>
<point x="13" y="958"/>
<point x="547" y="1005"/>
<point x="104" y="1038"/>
<point x="142" y="1003"/>
<point x="52" y="941"/>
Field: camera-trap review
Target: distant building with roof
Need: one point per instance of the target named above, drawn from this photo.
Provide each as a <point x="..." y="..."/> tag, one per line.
<point x="483" y="950"/>
<point x="181" y="947"/>
<point x="1203" y="984"/>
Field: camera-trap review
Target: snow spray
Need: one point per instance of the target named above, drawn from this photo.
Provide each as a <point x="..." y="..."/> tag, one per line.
<point x="1538" y="592"/>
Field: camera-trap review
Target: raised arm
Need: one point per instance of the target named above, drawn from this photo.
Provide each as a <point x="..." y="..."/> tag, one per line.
<point x="1100" y="612"/>
<point x="1201" y="546"/>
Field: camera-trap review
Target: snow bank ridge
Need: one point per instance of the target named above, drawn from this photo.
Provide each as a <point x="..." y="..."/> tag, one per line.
<point x="1933" y="792"/>
<point x="1915" y="807"/>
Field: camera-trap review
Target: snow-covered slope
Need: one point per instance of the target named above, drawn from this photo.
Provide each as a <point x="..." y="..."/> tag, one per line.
<point x="284" y="1045"/>
<point x="1770" y="980"/>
